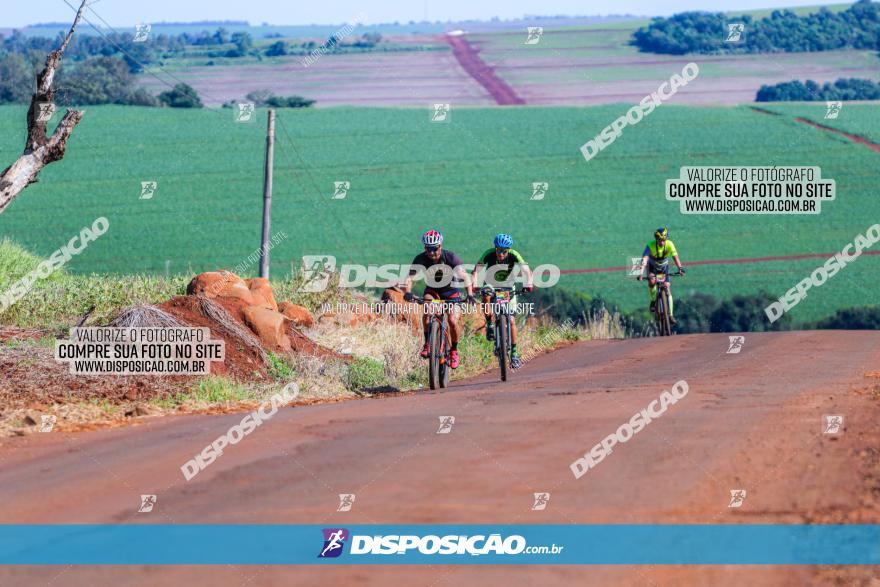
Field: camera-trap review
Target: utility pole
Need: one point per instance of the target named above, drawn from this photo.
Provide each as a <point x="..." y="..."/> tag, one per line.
<point x="267" y="196"/>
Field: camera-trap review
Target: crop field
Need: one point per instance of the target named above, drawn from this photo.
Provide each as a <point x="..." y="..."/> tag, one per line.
<point x="858" y="119"/>
<point x="420" y="71"/>
<point x="596" y="64"/>
<point x="470" y="178"/>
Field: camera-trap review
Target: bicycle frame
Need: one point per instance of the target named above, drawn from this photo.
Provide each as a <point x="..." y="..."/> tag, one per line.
<point x="439" y="342"/>
<point x="502" y="315"/>
<point x="662" y="302"/>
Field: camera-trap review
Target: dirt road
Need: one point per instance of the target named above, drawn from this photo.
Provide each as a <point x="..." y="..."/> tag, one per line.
<point x="751" y="420"/>
<point x="484" y="74"/>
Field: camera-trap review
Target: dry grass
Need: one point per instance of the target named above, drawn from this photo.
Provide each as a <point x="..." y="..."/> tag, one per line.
<point x="144" y="316"/>
<point x="230" y="326"/>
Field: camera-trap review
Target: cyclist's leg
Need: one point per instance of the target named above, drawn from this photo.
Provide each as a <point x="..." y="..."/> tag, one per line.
<point x="426" y="322"/>
<point x="453" y="314"/>
<point x="429" y="294"/>
<point x="652" y="289"/>
<point x="486" y="296"/>
<point x="513" y="323"/>
<point x="668" y="286"/>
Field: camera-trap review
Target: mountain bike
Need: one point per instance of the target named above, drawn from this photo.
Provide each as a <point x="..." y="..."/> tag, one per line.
<point x="661" y="306"/>
<point x="439" y="341"/>
<point x="502" y="314"/>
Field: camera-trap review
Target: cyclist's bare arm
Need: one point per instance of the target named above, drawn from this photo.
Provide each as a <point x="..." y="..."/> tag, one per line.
<point x="468" y="282"/>
<point x="475" y="274"/>
<point x="677" y="262"/>
<point x="407" y="284"/>
<point x="528" y="273"/>
<point x="644" y="264"/>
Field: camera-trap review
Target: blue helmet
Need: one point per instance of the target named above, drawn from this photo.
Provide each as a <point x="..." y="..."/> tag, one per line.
<point x="503" y="241"/>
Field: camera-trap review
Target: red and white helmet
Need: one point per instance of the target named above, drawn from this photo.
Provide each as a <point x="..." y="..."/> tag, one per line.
<point x="432" y="238"/>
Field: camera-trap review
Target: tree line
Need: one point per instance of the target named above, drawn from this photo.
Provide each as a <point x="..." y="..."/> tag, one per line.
<point x="810" y="91"/>
<point x="857" y="27"/>
<point x="103" y="69"/>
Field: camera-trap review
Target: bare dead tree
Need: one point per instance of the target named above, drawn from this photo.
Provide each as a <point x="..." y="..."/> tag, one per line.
<point x="40" y="149"/>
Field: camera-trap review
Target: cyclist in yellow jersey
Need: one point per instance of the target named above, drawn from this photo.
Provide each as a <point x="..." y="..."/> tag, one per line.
<point x="656" y="259"/>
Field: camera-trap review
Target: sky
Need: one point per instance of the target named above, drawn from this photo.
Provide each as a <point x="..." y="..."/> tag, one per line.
<point x="18" y="13"/>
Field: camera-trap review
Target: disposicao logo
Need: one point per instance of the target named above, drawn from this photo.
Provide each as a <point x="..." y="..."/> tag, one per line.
<point x="334" y="541"/>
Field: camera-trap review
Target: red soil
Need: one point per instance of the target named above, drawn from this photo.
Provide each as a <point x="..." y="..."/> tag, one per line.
<point x="471" y="62"/>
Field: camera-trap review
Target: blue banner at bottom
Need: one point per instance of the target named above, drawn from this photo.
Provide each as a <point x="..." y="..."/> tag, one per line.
<point x="524" y="544"/>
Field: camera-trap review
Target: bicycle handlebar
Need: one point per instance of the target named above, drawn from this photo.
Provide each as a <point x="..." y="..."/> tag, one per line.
<point x="421" y="300"/>
<point x="516" y="291"/>
<point x="679" y="274"/>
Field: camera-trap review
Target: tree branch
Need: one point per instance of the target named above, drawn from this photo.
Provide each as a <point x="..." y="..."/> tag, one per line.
<point x="40" y="150"/>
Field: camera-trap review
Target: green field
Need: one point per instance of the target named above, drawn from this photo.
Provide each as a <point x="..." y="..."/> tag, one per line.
<point x="862" y="119"/>
<point x="470" y="178"/>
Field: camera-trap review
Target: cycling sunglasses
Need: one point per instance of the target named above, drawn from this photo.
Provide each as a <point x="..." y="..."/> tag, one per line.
<point x="432" y="249"/>
<point x="500" y="250"/>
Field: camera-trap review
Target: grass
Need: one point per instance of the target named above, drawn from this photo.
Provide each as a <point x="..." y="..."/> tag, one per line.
<point x="279" y="368"/>
<point x="365" y="373"/>
<point x="47" y="342"/>
<point x="855" y="118"/>
<point x="470" y="178"/>
<point x="208" y="392"/>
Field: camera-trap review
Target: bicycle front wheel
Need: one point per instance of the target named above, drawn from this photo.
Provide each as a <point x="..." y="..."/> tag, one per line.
<point x="503" y="321"/>
<point x="434" y="358"/>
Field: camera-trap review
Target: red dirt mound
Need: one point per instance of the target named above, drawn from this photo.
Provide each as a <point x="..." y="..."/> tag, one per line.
<point x="241" y="360"/>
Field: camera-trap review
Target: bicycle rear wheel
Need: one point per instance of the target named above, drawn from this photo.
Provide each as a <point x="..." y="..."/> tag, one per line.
<point x="434" y="358"/>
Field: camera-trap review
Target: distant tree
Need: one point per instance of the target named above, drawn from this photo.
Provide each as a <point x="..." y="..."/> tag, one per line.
<point x="694" y="312"/>
<point x="97" y="80"/>
<point x="864" y="318"/>
<point x="368" y="40"/>
<point x="141" y="97"/>
<point x="243" y="44"/>
<point x="277" y="49"/>
<point x="221" y="36"/>
<point x="288" y="102"/>
<point x="702" y="32"/>
<point x="265" y="98"/>
<point x="181" y="96"/>
<point x="842" y="89"/>
<point x="745" y="313"/>
<point x="16" y="78"/>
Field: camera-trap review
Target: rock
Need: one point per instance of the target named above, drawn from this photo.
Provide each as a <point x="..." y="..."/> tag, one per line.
<point x="139" y="410"/>
<point x="299" y="315"/>
<point x="32" y="418"/>
<point x="268" y="325"/>
<point x="220" y="284"/>
<point x="398" y="309"/>
<point x="261" y="292"/>
<point x="327" y="317"/>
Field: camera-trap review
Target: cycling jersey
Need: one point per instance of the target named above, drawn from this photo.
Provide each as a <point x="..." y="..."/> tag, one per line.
<point x="490" y="259"/>
<point x="658" y="257"/>
<point x="442" y="280"/>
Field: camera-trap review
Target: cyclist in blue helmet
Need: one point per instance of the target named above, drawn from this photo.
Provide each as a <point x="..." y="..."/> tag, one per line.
<point x="500" y="261"/>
